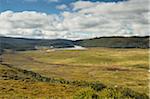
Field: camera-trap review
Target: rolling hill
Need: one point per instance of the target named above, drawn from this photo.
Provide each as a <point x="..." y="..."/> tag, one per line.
<point x="115" y="42"/>
<point x="22" y="44"/>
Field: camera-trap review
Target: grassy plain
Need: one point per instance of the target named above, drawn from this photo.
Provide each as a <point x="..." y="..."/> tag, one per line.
<point x="16" y="85"/>
<point x="126" y="68"/>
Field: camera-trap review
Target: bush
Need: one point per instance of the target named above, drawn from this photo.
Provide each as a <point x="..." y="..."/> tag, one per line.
<point x="121" y="93"/>
<point x="111" y="93"/>
<point x="85" y="93"/>
<point x="97" y="86"/>
<point x="133" y="94"/>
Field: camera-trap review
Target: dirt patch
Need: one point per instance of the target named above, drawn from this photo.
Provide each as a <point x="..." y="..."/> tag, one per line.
<point x="114" y="68"/>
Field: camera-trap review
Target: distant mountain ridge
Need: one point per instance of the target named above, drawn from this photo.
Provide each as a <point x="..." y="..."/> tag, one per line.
<point x="116" y="42"/>
<point x="22" y="44"/>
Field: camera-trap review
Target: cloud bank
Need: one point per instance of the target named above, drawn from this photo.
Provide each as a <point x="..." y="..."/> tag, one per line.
<point x="84" y="20"/>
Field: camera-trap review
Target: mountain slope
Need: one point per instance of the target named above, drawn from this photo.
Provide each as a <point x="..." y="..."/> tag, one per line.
<point x="21" y="44"/>
<point x="116" y="42"/>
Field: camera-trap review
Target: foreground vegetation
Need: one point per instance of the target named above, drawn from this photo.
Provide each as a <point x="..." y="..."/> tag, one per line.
<point x="92" y="73"/>
<point x="18" y="83"/>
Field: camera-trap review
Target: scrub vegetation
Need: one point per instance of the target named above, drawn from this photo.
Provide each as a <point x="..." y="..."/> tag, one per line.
<point x="94" y="73"/>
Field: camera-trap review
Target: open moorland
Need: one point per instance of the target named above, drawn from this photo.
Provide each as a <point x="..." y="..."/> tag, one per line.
<point x="92" y="73"/>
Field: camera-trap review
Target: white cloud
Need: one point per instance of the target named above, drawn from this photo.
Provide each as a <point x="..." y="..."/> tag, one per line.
<point x="87" y="19"/>
<point x="83" y="5"/>
<point x="27" y="24"/>
<point x="62" y="7"/>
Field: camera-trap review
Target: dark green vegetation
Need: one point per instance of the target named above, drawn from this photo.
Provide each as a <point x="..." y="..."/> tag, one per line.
<point x="109" y="93"/>
<point x="116" y="42"/>
<point x="22" y="44"/>
<point x="75" y="74"/>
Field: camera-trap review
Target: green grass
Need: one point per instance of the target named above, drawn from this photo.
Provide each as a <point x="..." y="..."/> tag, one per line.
<point x="112" y="67"/>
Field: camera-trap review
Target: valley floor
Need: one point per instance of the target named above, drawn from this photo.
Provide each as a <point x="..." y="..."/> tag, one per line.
<point x="115" y="68"/>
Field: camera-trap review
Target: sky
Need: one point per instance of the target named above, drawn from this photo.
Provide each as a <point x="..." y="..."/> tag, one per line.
<point x="74" y="19"/>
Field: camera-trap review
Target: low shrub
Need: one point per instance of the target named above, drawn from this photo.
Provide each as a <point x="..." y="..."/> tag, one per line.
<point x="121" y="93"/>
<point x="109" y="93"/>
<point x="85" y="93"/>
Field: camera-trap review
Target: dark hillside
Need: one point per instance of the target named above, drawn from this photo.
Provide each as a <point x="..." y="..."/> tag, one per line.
<point x="21" y="44"/>
<point x="116" y="42"/>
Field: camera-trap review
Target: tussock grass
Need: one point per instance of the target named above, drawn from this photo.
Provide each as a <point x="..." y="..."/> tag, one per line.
<point x="112" y="67"/>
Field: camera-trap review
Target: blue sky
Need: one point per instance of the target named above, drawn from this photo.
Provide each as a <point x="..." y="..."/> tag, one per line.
<point x="47" y="6"/>
<point x="74" y="19"/>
